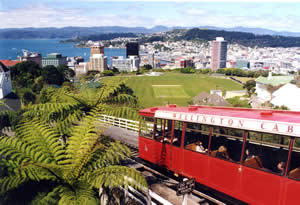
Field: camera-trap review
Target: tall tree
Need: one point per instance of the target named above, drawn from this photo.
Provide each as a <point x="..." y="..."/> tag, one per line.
<point x="52" y="75"/>
<point x="23" y="74"/>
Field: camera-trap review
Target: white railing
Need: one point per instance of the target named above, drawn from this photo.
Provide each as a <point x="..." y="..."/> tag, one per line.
<point x="120" y="122"/>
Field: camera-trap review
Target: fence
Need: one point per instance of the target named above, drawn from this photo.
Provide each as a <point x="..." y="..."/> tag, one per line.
<point x="120" y="122"/>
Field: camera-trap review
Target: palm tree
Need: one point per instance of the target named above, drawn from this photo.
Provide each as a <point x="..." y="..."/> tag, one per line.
<point x="51" y="172"/>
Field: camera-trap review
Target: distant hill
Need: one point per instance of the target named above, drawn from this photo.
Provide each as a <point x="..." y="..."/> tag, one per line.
<point x="73" y="32"/>
<point x="242" y="38"/>
<point x="259" y="31"/>
<point x="100" y="37"/>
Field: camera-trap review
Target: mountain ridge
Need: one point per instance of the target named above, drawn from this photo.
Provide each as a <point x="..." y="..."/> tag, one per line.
<point x="73" y="32"/>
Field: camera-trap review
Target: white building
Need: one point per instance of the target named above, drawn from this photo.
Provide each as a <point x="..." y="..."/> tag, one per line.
<point x="126" y="64"/>
<point x="98" y="62"/>
<point x="81" y="68"/>
<point x="287" y="95"/>
<point x="263" y="85"/>
<point x="5" y="81"/>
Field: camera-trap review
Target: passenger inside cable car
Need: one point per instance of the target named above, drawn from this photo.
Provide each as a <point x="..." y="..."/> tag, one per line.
<point x="230" y="139"/>
<point x="222" y="153"/>
<point x="294" y="167"/>
<point x="196" y="137"/>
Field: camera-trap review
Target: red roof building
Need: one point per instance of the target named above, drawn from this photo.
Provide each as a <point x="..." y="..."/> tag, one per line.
<point x="9" y="63"/>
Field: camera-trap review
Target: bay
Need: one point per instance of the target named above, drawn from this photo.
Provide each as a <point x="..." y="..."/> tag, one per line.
<point x="10" y="49"/>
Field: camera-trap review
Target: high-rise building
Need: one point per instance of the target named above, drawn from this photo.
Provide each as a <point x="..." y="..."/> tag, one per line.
<point x="132" y="49"/>
<point x="98" y="62"/>
<point x="97" y="49"/>
<point x="218" y="53"/>
<point x="54" y="59"/>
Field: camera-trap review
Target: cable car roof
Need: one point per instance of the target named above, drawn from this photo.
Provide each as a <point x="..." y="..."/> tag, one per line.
<point x="271" y="121"/>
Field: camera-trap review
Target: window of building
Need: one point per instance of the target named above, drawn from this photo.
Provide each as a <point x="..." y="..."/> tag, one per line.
<point x="147" y="127"/>
<point x="294" y="168"/>
<point x="226" y="143"/>
<point x="268" y="152"/>
<point x="196" y="137"/>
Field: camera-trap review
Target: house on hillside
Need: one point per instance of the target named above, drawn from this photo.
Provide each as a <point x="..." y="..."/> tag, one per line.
<point x="5" y="81"/>
<point x="265" y="86"/>
<point x="287" y="95"/>
<point x="210" y="99"/>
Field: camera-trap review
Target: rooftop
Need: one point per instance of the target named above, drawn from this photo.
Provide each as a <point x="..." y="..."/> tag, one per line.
<point x="9" y="63"/>
<point x="274" y="80"/>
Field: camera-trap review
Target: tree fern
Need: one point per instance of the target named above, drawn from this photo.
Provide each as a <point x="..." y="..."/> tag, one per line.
<point x="72" y="171"/>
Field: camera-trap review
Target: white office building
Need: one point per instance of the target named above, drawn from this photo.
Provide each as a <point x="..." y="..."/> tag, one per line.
<point x="130" y="64"/>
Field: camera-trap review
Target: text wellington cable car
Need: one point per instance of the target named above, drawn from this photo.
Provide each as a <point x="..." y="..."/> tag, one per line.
<point x="252" y="155"/>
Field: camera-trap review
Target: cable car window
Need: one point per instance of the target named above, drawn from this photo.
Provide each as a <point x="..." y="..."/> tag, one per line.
<point x="177" y="133"/>
<point x="147" y="127"/>
<point x="268" y="152"/>
<point x="158" y="135"/>
<point x="196" y="137"/>
<point x="294" y="168"/>
<point x="167" y="126"/>
<point x="226" y="143"/>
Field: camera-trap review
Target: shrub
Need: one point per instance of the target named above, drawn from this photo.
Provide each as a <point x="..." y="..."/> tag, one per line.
<point x="108" y="73"/>
<point x="187" y="70"/>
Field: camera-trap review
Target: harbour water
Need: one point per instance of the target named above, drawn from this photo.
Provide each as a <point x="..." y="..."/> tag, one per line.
<point x="10" y="49"/>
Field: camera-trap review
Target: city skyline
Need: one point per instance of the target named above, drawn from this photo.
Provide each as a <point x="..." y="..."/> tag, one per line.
<point x="277" y="16"/>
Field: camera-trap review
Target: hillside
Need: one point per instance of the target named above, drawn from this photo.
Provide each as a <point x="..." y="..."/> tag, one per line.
<point x="242" y="38"/>
<point x="73" y="32"/>
<point x="100" y="37"/>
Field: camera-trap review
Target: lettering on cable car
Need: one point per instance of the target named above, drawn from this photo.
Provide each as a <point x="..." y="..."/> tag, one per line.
<point x="234" y="122"/>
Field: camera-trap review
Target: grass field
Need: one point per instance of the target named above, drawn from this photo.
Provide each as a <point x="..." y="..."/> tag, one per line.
<point x="169" y="91"/>
<point x="243" y="79"/>
<point x="160" y="90"/>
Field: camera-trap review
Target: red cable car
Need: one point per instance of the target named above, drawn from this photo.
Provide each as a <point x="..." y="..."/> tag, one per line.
<point x="252" y="155"/>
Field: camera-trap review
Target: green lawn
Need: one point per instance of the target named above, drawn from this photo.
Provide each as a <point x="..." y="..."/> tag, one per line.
<point x="169" y="91"/>
<point x="179" y="88"/>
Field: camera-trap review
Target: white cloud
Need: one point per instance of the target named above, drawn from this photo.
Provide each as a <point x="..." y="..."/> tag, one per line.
<point x="194" y="11"/>
<point x="42" y="16"/>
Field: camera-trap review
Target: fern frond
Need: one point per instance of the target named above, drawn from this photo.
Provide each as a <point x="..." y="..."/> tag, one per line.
<point x="81" y="144"/>
<point x="63" y="127"/>
<point x="44" y="139"/>
<point x="47" y="198"/>
<point x="117" y="111"/>
<point x="16" y="150"/>
<point x="79" y="193"/>
<point x="10" y="182"/>
<point x="121" y="99"/>
<point x="114" y="176"/>
<point x="48" y="111"/>
<point x="111" y="155"/>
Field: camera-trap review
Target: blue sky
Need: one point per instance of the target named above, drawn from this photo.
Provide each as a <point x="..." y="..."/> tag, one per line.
<point x="59" y="13"/>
